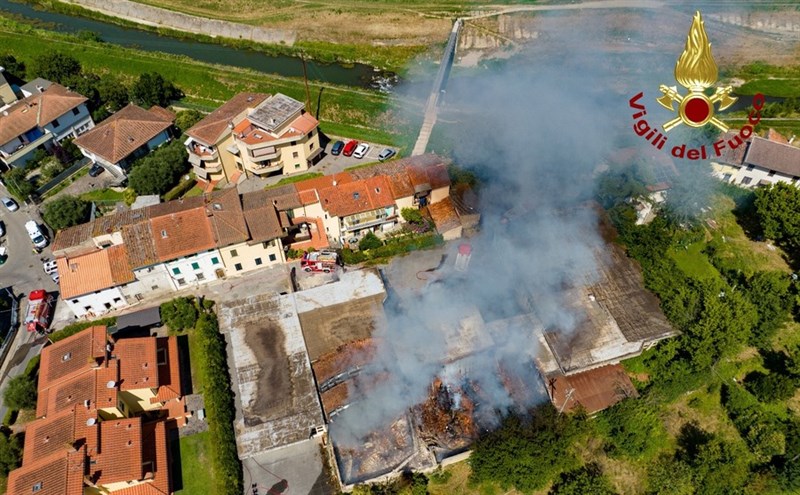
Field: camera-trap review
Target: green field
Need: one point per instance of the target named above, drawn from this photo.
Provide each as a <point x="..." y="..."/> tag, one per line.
<point x="351" y="112"/>
<point x="195" y="462"/>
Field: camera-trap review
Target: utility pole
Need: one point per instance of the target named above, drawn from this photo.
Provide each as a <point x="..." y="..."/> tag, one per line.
<point x="305" y="79"/>
<point x="319" y="100"/>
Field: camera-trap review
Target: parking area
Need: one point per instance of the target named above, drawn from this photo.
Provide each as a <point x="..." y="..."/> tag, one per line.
<point x="331" y="164"/>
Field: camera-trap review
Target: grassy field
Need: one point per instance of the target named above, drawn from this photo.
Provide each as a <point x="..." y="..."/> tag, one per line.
<point x="454" y="479"/>
<point x="351" y="112"/>
<point x="195" y="459"/>
<point x="690" y="260"/>
<point x="296" y="178"/>
<point x="106" y="195"/>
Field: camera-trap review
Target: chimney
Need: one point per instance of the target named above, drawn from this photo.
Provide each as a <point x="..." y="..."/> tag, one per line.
<point x="40" y="88"/>
<point x="334" y="182"/>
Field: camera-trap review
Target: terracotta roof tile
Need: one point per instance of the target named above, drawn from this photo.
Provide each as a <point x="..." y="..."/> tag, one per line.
<point x="58" y="474"/>
<point x="100" y="269"/>
<point x="282" y="197"/>
<point x="595" y="389"/>
<point x="56" y="433"/>
<point x="224" y="208"/>
<point x="324" y="181"/>
<point x="729" y="155"/>
<point x="444" y="215"/>
<point x="138" y="239"/>
<point x="120" y="135"/>
<point x="37" y="110"/>
<point x="406" y="173"/>
<point x="71" y="356"/>
<point x="181" y="234"/>
<point x="215" y="125"/>
<point x="138" y="366"/>
<point x="261" y="217"/>
<point x="163" y="112"/>
<point x="155" y="450"/>
<point x="120" y="455"/>
<point x="783" y="158"/>
<point x="308" y="197"/>
<point x="356" y="197"/>
<point x="74" y="392"/>
<point x="71" y="237"/>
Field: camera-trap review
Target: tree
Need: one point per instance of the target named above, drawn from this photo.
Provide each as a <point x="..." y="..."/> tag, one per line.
<point x="51" y="170"/>
<point x="770" y="291"/>
<point x="18" y="185"/>
<point x="55" y="66"/>
<point x="587" y="480"/>
<point x="66" y="211"/>
<point x="159" y="171"/>
<point x="369" y="241"/>
<point x="668" y="475"/>
<point x="770" y="387"/>
<point x="21" y="393"/>
<point x="151" y="89"/>
<point x="632" y="429"/>
<point x="187" y="118"/>
<point x="411" y="215"/>
<point x="12" y="65"/>
<point x="113" y="92"/>
<point x="179" y="314"/>
<point x="85" y="83"/>
<point x="66" y="151"/>
<point x="777" y="207"/>
<point x="10" y="453"/>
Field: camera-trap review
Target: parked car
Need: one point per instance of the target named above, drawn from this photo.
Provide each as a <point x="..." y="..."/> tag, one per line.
<point x="337" y="148"/>
<point x="96" y="170"/>
<point x="50" y="267"/>
<point x="2" y="229"/>
<point x="37" y="238"/>
<point x="361" y="150"/>
<point x="10" y="204"/>
<point x="350" y="147"/>
<point x="386" y="154"/>
<point x="55" y="277"/>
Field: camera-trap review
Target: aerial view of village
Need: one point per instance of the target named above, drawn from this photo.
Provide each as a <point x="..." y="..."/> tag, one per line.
<point x="399" y="247"/>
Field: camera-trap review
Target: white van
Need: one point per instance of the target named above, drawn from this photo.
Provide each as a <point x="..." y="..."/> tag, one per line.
<point x="37" y="238"/>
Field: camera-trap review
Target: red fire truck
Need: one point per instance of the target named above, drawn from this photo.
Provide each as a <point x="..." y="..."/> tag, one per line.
<point x="40" y="310"/>
<point x="319" y="261"/>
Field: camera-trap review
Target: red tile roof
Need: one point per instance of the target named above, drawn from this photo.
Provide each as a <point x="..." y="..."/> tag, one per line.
<point x="595" y="389"/>
<point x="224" y="209"/>
<point x="215" y="125"/>
<point x="444" y="215"/>
<point x="169" y="372"/>
<point x="46" y="436"/>
<point x="37" y="110"/>
<point x="73" y="355"/>
<point x="360" y="196"/>
<point x="138" y="366"/>
<point x="129" y="129"/>
<point x="97" y="270"/>
<point x="155" y="451"/>
<point x="120" y="455"/>
<point x="58" y="474"/>
<point x="181" y="234"/>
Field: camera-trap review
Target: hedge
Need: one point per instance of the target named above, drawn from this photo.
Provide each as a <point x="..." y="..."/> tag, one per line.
<point x="392" y="247"/>
<point x="182" y="188"/>
<point x="74" y="328"/>
<point x="219" y="402"/>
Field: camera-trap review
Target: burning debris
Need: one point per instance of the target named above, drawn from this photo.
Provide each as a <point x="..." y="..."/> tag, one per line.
<point x="445" y="421"/>
<point x="382" y="451"/>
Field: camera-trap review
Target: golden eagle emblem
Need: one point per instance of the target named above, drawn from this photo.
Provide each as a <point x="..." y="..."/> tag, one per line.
<point x="696" y="71"/>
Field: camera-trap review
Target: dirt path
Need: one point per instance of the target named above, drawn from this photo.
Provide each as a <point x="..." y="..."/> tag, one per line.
<point x="598" y="4"/>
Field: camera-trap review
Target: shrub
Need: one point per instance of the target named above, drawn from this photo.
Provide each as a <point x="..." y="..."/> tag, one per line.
<point x="66" y="211"/>
<point x="219" y="403"/>
<point x="370" y="241"/>
<point x="179" y="313"/>
<point x="21" y="393"/>
<point x="74" y="328"/>
<point x="10" y="453"/>
<point x="770" y="387"/>
<point x="411" y="215"/>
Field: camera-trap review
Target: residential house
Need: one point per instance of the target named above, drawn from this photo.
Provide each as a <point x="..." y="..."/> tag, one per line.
<point x="758" y="161"/>
<point x="277" y="137"/>
<point x="45" y="117"/>
<point x="104" y="411"/>
<point x="126" y="136"/>
<point x="212" y="151"/>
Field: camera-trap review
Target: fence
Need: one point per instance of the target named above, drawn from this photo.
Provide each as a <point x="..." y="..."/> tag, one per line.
<point x="12" y="330"/>
<point x="66" y="174"/>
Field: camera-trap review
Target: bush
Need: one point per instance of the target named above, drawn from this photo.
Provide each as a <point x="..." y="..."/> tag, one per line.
<point x="17" y="183"/>
<point x="633" y="429"/>
<point x="179" y="314"/>
<point x="187" y="118"/>
<point x="770" y="387"/>
<point x="219" y="403"/>
<point x="182" y="188"/>
<point x="392" y="247"/>
<point x="10" y="453"/>
<point x="411" y="215"/>
<point x="151" y="89"/>
<point x="21" y="393"/>
<point x="74" y="328"/>
<point x="370" y="241"/>
<point x="587" y="480"/>
<point x="159" y="171"/>
<point x="66" y="211"/>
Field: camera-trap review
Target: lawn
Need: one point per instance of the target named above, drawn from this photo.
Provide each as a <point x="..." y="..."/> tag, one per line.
<point x="693" y="262"/>
<point x="455" y="480"/>
<point x="781" y="88"/>
<point x="353" y="112"/>
<point x="195" y="191"/>
<point x="104" y="195"/>
<point x="195" y="462"/>
<point x="196" y="358"/>
<point x="295" y="178"/>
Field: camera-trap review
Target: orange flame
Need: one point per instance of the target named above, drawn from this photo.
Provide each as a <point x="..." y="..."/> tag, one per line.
<point x="696" y="69"/>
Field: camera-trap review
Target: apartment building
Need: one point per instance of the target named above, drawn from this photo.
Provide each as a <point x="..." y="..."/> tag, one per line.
<point x="104" y="411"/>
<point x="212" y="151"/>
<point x="126" y="136"/>
<point x="50" y="114"/>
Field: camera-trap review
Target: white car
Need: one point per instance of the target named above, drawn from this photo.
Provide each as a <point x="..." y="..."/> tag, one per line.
<point x="50" y="267"/>
<point x="2" y="229"/>
<point x="37" y="238"/>
<point x="361" y="150"/>
<point x="10" y="204"/>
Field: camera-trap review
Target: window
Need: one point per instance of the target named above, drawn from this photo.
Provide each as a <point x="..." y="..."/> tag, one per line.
<point x="795" y="178"/>
<point x="749" y="168"/>
<point x="74" y="301"/>
<point x="37" y="487"/>
<point x="55" y="124"/>
<point x="747" y="180"/>
<point x="200" y="276"/>
<point x="238" y="267"/>
<point x="294" y="143"/>
<point x="107" y="305"/>
<point x="155" y="287"/>
<point x="234" y="253"/>
<point x="272" y="257"/>
<point x="176" y="271"/>
<point x="311" y="146"/>
<point x="771" y="173"/>
<point x="215" y="261"/>
<point x="87" y="308"/>
<point x="76" y="111"/>
<point x="117" y="300"/>
<point x="296" y="166"/>
<point x="163" y="234"/>
<point x="726" y="178"/>
<point x="66" y="357"/>
<point x="195" y="266"/>
<point x="181" y="282"/>
<point x="295" y="154"/>
<point x="310" y="134"/>
<point x="259" y="262"/>
<point x="161" y="356"/>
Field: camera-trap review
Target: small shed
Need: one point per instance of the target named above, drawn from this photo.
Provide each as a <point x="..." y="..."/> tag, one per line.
<point x="136" y="323"/>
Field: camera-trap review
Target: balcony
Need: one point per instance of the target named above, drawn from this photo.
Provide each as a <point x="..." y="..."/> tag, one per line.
<point x="199" y="153"/>
<point x="262" y="154"/>
<point x="364" y="223"/>
<point x="262" y="169"/>
<point x="26" y="148"/>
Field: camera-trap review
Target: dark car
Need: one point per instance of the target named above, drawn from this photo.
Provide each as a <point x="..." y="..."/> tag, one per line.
<point x="337" y="147"/>
<point x="350" y="147"/>
<point x="96" y="170"/>
<point x="386" y="154"/>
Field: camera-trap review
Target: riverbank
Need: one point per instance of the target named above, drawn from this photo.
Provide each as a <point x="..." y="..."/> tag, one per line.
<point x="387" y="58"/>
<point x="361" y="114"/>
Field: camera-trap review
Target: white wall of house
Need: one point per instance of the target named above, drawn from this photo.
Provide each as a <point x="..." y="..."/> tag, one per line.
<point x="242" y="258"/>
<point x="757" y="174"/>
<point x="71" y="123"/>
<point x="405" y="202"/>
<point x="150" y="281"/>
<point x="97" y="303"/>
<point x="196" y="269"/>
<point x="439" y="194"/>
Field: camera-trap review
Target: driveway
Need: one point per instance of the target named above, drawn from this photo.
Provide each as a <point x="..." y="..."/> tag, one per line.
<point x="85" y="184"/>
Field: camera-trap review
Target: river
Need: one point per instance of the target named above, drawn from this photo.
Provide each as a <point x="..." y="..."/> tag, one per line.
<point x="357" y="75"/>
